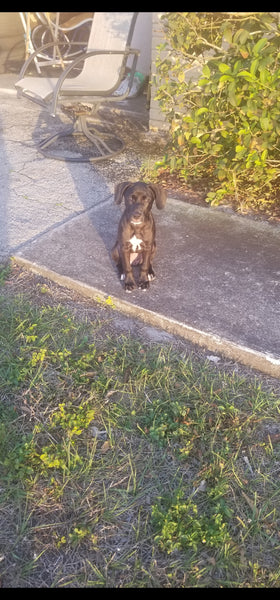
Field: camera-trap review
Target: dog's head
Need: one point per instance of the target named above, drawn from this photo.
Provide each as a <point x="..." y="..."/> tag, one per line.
<point x="138" y="198"/>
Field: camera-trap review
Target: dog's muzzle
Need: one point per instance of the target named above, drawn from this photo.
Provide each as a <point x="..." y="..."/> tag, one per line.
<point x="136" y="215"/>
<point x="136" y="222"/>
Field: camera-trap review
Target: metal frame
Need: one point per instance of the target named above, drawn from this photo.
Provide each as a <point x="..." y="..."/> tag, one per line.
<point x="85" y="124"/>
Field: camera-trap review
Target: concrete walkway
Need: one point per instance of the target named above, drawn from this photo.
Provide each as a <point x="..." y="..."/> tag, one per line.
<point x="218" y="274"/>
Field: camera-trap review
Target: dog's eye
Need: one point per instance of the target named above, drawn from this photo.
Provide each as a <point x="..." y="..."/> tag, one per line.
<point x="133" y="197"/>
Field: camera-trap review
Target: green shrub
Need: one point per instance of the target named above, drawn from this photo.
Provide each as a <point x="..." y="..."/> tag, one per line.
<point x="224" y="113"/>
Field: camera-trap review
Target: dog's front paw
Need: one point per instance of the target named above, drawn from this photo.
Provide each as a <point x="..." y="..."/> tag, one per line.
<point x="129" y="287"/>
<point x="129" y="283"/>
<point x="144" y="285"/>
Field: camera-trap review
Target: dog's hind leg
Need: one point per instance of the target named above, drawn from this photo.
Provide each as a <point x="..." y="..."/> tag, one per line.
<point x="151" y="273"/>
<point x="116" y="257"/>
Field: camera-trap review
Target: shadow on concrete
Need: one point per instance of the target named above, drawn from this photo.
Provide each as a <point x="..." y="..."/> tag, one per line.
<point x="104" y="219"/>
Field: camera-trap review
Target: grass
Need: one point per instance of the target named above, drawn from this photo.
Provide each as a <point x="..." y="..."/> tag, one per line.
<point x="129" y="464"/>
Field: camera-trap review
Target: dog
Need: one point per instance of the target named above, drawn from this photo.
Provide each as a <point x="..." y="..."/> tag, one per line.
<point x="136" y="244"/>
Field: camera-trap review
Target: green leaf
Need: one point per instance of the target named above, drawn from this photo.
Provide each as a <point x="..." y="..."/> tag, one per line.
<point x="217" y="148"/>
<point x="201" y="111"/>
<point x="247" y="140"/>
<point x="254" y="66"/>
<point x="195" y="140"/>
<point x="172" y="162"/>
<point x="232" y="97"/>
<point x="236" y="66"/>
<point x="223" y="67"/>
<point x="266" y="123"/>
<point x="228" y="35"/>
<point x="267" y="60"/>
<point x="187" y="119"/>
<point x="241" y="36"/>
<point x="202" y="82"/>
<point x="226" y="78"/>
<point x="264" y="76"/>
<point x="206" y="71"/>
<point x="245" y="74"/>
<point x="257" y="48"/>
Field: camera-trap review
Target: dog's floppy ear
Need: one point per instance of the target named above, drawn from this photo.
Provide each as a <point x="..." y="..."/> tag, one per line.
<point x="160" y="195"/>
<point x="120" y="189"/>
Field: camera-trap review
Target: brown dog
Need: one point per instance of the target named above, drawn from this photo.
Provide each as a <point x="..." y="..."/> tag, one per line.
<point x="136" y="243"/>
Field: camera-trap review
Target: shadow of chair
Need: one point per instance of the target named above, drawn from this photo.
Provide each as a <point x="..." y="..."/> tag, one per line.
<point x="105" y="63"/>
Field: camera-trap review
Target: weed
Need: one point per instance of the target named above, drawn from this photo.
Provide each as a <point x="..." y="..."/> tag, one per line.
<point x="74" y="419"/>
<point x="5" y="270"/>
<point x="180" y="525"/>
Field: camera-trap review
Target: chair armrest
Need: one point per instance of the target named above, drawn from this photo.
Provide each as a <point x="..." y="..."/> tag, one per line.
<point x="75" y="61"/>
<point x="87" y="54"/>
<point x="39" y="51"/>
<point x="83" y="57"/>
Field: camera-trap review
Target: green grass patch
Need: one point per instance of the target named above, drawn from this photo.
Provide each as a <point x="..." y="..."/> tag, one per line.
<point x="125" y="464"/>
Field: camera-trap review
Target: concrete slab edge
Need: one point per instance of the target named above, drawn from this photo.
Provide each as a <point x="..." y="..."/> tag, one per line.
<point x="264" y="362"/>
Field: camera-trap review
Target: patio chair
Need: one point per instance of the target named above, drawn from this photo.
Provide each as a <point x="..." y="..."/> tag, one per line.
<point x="104" y="66"/>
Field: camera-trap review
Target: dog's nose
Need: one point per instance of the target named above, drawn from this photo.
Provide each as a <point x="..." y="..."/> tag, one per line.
<point x="137" y="211"/>
<point x="137" y="216"/>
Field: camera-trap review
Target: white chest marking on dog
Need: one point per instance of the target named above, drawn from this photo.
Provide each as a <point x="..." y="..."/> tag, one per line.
<point x="136" y="243"/>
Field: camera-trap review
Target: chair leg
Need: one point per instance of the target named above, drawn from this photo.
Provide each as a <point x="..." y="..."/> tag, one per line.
<point x="104" y="142"/>
<point x="52" y="138"/>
